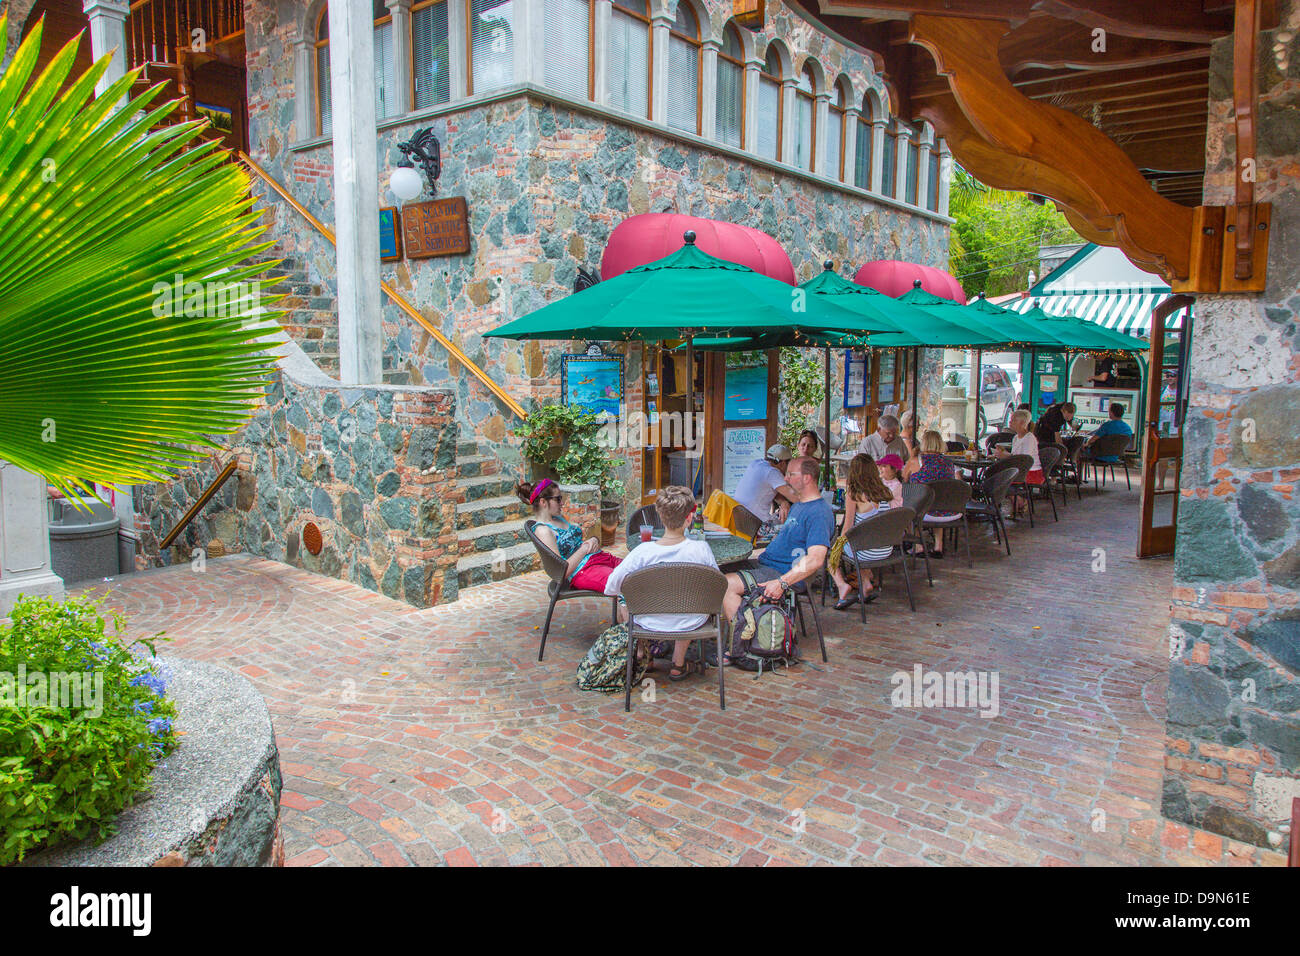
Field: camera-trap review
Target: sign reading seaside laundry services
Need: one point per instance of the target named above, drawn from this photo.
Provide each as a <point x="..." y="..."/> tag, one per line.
<point x="439" y="227"/>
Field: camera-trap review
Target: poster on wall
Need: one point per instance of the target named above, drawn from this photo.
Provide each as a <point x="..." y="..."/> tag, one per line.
<point x="390" y="237"/>
<point x="593" y="381"/>
<point x="746" y="394"/>
<point x="741" y="447"/>
<point x="855" y="380"/>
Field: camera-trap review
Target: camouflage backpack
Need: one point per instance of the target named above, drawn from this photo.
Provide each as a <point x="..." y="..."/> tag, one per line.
<point x="604" y="668"/>
<point x="763" y="631"/>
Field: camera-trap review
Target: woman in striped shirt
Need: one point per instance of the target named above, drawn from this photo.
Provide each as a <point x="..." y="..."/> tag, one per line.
<point x="867" y="496"/>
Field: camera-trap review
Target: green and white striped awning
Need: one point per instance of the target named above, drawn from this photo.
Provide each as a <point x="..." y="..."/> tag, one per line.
<point x="1128" y="312"/>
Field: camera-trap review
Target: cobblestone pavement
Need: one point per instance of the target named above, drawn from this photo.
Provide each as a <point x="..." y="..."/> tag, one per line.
<point x="435" y="736"/>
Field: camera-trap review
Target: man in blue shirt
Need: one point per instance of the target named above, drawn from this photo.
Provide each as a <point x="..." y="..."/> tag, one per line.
<point x="799" y="548"/>
<point x="1116" y="426"/>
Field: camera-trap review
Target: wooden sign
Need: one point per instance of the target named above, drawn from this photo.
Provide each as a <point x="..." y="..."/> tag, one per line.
<point x="390" y="236"/>
<point x="436" y="228"/>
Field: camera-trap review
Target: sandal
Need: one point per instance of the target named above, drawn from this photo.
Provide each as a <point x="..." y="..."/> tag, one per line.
<point x="676" y="673"/>
<point x="843" y="604"/>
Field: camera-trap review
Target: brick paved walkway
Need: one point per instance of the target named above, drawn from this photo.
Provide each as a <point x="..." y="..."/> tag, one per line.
<point x="434" y="736"/>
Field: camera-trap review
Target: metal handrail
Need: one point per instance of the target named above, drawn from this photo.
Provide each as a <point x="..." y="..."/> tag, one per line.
<point x="231" y="467"/>
<point x="393" y="294"/>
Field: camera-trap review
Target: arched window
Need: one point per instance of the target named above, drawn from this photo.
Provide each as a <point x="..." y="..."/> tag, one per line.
<point x="730" y="124"/>
<point x="628" y="57"/>
<point x="430" y="54"/>
<point x="567" y="47"/>
<point x="491" y="45"/>
<point x="889" y="160"/>
<point x="769" y="106"/>
<point x="384" y="99"/>
<point x="862" y="150"/>
<point x="833" y="153"/>
<point x="684" y="60"/>
<point x="804" y="118"/>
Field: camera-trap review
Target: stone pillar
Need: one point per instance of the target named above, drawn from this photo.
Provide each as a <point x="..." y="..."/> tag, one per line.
<point x="24" y="538"/>
<point x="709" y="89"/>
<point x="457" y="48"/>
<point x="925" y="146"/>
<point x="877" y="154"/>
<point x="900" y="165"/>
<point x="356" y="191"/>
<point x="401" y="13"/>
<point x="304" y="97"/>
<point x="752" y="67"/>
<point x="600" y="65"/>
<point x="659" y="24"/>
<point x="826" y="155"/>
<point x="851" y="117"/>
<point x="107" y="35"/>
<point x="788" y="119"/>
<point x="1232" y="744"/>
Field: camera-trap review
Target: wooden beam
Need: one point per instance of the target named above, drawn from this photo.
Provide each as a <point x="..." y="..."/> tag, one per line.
<point x="1049" y="43"/>
<point x="1108" y="190"/>
<point x="1179" y="20"/>
<point x="1081" y="80"/>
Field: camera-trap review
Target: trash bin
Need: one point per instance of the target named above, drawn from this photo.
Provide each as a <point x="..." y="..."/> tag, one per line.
<point x="83" y="544"/>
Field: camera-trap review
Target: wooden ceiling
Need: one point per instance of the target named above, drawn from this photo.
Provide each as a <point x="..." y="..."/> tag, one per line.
<point x="1148" y="90"/>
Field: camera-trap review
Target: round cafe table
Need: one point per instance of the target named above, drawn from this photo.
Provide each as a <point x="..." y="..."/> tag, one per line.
<point x="727" y="549"/>
<point x="975" y="468"/>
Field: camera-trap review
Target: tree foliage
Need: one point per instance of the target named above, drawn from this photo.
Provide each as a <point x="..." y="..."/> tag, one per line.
<point x="997" y="235"/>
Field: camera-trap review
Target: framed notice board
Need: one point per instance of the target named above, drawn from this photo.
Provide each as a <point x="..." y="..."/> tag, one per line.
<point x="390" y="235"/>
<point x="592" y="381"/>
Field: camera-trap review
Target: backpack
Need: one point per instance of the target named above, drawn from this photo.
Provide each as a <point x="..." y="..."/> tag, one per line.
<point x="763" y="631"/>
<point x="604" y="668"/>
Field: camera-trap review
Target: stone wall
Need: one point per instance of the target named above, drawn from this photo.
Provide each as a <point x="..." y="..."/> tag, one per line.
<point x="1233" y="732"/>
<point x="373" y="468"/>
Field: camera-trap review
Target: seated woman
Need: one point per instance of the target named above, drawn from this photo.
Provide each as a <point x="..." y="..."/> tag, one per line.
<point x="930" y="464"/>
<point x="809" y="445"/>
<point x="867" y="495"/>
<point x="1025" y="443"/>
<point x="589" y="567"/>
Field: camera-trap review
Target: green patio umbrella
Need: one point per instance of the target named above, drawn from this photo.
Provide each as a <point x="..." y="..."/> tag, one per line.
<point x="1085" y="336"/>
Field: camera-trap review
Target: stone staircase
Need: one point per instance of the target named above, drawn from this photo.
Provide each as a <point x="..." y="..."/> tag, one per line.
<point x="489" y="521"/>
<point x="310" y="314"/>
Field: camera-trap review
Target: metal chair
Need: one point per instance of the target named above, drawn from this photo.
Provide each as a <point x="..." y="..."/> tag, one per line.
<point x="645" y="515"/>
<point x="746" y="523"/>
<point x="995" y="439"/>
<point x="1071" y="470"/>
<point x="675" y="588"/>
<point x="887" y="529"/>
<point x="920" y="498"/>
<point x="1108" y="446"/>
<point x="1060" y="468"/>
<point x="1048" y="458"/>
<point x="992" y="491"/>
<point x="559" y="590"/>
<point x="950" y="494"/>
<point x="1019" y="465"/>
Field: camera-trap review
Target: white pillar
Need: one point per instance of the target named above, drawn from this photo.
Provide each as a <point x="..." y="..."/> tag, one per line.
<point x="901" y="151"/>
<point x="304" y="95"/>
<point x="851" y="117"/>
<point x="709" y="90"/>
<point x="945" y="177"/>
<point x="824" y="152"/>
<point x="878" y="155"/>
<point x="457" y="48"/>
<point x="24" y="538"/>
<point x="400" y="10"/>
<point x="107" y="35"/>
<point x="925" y="146"/>
<point x="356" y="191"/>
<point x="526" y="21"/>
<point x="659" y="25"/>
<point x="788" y="119"/>
<point x="752" y="66"/>
<point x="604" y="10"/>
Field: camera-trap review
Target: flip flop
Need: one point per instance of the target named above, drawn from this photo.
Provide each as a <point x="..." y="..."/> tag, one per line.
<point x="843" y="604"/>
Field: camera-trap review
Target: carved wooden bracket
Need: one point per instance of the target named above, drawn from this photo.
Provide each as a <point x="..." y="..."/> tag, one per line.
<point x="1010" y="141"/>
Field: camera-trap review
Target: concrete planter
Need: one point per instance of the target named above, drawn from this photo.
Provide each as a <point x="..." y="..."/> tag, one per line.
<point x="215" y="801"/>
<point x="83" y="544"/>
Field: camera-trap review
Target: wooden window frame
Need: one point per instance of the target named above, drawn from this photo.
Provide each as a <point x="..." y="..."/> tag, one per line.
<point x="812" y="132"/>
<point x="649" y="51"/>
<point x="841" y="110"/>
<point x="697" y="42"/>
<point x="316" y="46"/>
<point x="411" y="43"/>
<point x="743" y="84"/>
<point x="780" y="107"/>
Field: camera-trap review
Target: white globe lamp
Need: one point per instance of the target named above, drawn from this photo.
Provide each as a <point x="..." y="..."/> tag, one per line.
<point x="406" y="183"/>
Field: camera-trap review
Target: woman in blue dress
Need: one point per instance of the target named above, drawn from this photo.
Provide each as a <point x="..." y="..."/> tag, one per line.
<point x="588" y="566"/>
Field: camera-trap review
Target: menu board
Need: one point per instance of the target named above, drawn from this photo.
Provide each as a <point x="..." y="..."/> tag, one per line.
<point x="1092" y="407"/>
<point x="741" y="447"/>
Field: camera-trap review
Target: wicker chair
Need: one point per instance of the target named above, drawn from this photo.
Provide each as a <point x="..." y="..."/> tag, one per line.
<point x="559" y="589"/>
<point x="646" y="515"/>
<point x="746" y="523"/>
<point x="1108" y="446"/>
<point x="675" y="588"/>
<point x="950" y="494"/>
<point x="988" y="507"/>
<point x="920" y="498"/>
<point x="995" y="439"/>
<point x="887" y="529"/>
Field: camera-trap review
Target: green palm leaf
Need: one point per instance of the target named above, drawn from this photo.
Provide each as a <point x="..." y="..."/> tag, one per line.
<point x="131" y="329"/>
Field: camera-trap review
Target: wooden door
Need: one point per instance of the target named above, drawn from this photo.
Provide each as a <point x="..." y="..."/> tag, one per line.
<point x="1162" y="454"/>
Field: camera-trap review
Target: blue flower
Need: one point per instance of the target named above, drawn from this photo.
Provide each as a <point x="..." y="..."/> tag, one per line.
<point x="144" y="707"/>
<point x="159" y="725"/>
<point x="150" y="680"/>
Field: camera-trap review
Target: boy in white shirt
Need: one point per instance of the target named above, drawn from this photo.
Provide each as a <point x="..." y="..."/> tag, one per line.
<point x="675" y="505"/>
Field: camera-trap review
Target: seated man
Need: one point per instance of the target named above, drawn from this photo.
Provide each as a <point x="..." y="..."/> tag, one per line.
<point x="1054" y="421"/>
<point x="1116" y="426"/>
<point x="676" y="506"/>
<point x="763" y="485"/>
<point x="799" y="549"/>
<point x="884" y="440"/>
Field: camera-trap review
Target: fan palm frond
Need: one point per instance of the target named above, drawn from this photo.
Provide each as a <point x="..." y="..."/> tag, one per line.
<point x="131" y="325"/>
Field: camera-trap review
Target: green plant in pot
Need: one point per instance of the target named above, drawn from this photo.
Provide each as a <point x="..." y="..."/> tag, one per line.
<point x="569" y="444"/>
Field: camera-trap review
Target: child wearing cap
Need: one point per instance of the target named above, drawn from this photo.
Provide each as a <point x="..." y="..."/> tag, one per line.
<point x="891" y="473"/>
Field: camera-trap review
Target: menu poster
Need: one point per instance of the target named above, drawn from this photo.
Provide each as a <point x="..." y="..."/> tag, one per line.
<point x="855" y="380"/>
<point x="741" y="447"/>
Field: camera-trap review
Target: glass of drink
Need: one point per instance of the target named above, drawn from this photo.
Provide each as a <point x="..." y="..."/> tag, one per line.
<point x="647" y="532"/>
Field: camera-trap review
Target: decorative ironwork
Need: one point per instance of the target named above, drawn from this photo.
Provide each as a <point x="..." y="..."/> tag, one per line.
<point x="585" y="280"/>
<point x="424" y="148"/>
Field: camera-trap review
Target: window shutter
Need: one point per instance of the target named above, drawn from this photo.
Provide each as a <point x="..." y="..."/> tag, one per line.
<point x="384" y="105"/>
<point x="628" y="63"/>
<point x="492" y="44"/>
<point x="769" y="114"/>
<point x="323" y="88"/>
<point x="803" y="118"/>
<point x="912" y="155"/>
<point x="567" y="33"/>
<point x="832" y="150"/>
<point x="430" y="53"/>
<point x="932" y="188"/>
<point x="889" y="161"/>
<point x="731" y="80"/>
<point x="683" y="84"/>
<point x="862" y="156"/>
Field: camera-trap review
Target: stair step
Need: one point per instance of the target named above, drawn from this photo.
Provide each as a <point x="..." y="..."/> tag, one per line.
<point x="467" y="449"/>
<point x="486" y="486"/>
<point x="489" y="537"/>
<point x="496" y="565"/>
<point x="488" y="511"/>
<point x="478" y="466"/>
